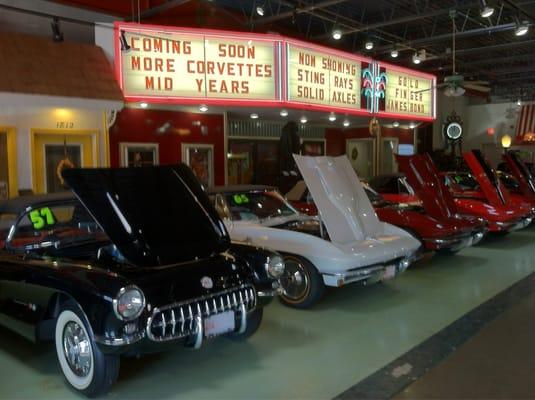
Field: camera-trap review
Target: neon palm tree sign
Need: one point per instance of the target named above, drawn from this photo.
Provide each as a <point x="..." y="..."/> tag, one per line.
<point x="373" y="86"/>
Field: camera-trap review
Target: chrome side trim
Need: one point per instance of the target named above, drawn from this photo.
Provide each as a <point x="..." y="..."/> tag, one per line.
<point x="199" y="332"/>
<point x="243" y="321"/>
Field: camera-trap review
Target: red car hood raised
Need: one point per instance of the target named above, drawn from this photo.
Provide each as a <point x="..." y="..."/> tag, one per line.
<point x="495" y="192"/>
<point x="521" y="173"/>
<point x="424" y="178"/>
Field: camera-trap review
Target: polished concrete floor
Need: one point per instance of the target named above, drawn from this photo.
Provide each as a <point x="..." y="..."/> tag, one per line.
<point x="314" y="354"/>
<point x="496" y="363"/>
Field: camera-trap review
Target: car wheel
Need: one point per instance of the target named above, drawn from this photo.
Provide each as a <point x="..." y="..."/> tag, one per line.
<point x="253" y="323"/>
<point x="84" y="366"/>
<point x="301" y="283"/>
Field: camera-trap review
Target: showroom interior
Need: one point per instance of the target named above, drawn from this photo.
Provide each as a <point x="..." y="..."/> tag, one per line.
<point x="276" y="199"/>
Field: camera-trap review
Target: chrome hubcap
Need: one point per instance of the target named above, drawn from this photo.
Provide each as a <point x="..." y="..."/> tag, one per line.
<point x="77" y="349"/>
<point x="294" y="281"/>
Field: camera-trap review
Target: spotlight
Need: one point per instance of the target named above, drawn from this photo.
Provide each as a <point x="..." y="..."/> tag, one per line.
<point x="57" y="35"/>
<point x="394" y="53"/>
<point x="486" y="11"/>
<point x="368" y="45"/>
<point x="346" y="123"/>
<point x="203" y="108"/>
<point x="332" y="117"/>
<point x="303" y="120"/>
<point x="337" y="34"/>
<point x="521" y="28"/>
<point x="124" y="43"/>
<point x="260" y="10"/>
<point x="395" y="124"/>
<point x="143" y="105"/>
<point x="254" y="116"/>
<point x="284" y="113"/>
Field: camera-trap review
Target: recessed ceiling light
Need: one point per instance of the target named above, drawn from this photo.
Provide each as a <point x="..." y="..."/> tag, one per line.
<point x="254" y="116"/>
<point x="346" y="123"/>
<point x="337" y="34"/>
<point x="332" y="117"/>
<point x="203" y="108"/>
<point x="284" y="113"/>
<point x="395" y="124"/>
<point x="143" y="105"/>
<point x="303" y="120"/>
<point x="394" y="53"/>
<point x="260" y="11"/>
<point x="368" y="45"/>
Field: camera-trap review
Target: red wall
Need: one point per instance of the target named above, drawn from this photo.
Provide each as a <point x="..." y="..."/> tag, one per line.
<point x="136" y="125"/>
<point x="335" y="138"/>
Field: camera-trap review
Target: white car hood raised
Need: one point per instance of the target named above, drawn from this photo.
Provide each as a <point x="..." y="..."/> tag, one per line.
<point x="340" y="198"/>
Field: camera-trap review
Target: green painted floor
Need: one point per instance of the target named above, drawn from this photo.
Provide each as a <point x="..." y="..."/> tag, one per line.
<point x="301" y="354"/>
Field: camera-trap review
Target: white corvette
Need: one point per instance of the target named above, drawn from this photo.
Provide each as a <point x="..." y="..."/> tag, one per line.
<point x="346" y="244"/>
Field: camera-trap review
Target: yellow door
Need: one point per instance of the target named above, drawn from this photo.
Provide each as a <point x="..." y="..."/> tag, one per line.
<point x="54" y="151"/>
<point x="8" y="163"/>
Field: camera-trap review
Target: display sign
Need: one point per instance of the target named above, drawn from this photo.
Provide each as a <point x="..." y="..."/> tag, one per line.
<point x="323" y="78"/>
<point x="408" y="93"/>
<point x="192" y="65"/>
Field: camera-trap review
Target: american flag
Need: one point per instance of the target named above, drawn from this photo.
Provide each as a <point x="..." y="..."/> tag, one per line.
<point x="526" y="121"/>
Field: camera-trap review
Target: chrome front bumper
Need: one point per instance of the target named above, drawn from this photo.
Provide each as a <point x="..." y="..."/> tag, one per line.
<point x="456" y="242"/>
<point x="370" y="274"/>
<point x="514" y="226"/>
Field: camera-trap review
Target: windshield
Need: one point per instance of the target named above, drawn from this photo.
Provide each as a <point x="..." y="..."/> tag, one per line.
<point x="252" y="206"/>
<point x="465" y="181"/>
<point x="509" y="181"/>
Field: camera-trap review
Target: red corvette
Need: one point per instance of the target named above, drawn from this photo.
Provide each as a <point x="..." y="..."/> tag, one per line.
<point x="525" y="182"/>
<point x="444" y="235"/>
<point x="501" y="216"/>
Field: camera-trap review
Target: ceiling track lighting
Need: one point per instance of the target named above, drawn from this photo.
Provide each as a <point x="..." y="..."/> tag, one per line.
<point x="486" y="11"/>
<point x="337" y="34"/>
<point x="57" y="34"/>
<point x="125" y="47"/>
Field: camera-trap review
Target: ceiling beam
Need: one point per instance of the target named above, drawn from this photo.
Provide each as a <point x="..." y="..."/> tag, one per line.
<point x="485" y="49"/>
<point x="402" y="20"/>
<point x="297" y="10"/>
<point x="448" y="36"/>
<point x="486" y="61"/>
<point x="169" y="4"/>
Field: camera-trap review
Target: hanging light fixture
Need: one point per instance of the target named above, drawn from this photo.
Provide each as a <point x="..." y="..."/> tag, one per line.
<point x="486" y="11"/>
<point x="506" y="141"/>
<point x="521" y="27"/>
<point x="254" y="116"/>
<point x="303" y="120"/>
<point x="337" y="34"/>
<point x="284" y="113"/>
<point x="332" y="117"/>
<point x="57" y="35"/>
<point x="260" y="10"/>
<point x="519" y="102"/>
<point x="369" y="44"/>
<point x="394" y="53"/>
<point x="412" y="125"/>
<point x="416" y="58"/>
<point x="346" y="123"/>
<point x="203" y="108"/>
<point x="143" y="105"/>
<point x="395" y="124"/>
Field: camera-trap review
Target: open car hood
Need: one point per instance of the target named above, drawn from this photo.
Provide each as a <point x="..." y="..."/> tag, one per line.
<point x="495" y="192"/>
<point x="154" y="215"/>
<point x="426" y="181"/>
<point x="521" y="173"/>
<point x="340" y="198"/>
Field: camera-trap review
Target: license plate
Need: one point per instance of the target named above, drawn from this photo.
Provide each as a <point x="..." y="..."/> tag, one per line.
<point x="389" y="272"/>
<point x="219" y="323"/>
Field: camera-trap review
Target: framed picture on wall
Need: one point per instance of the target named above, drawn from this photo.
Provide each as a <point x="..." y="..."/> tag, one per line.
<point x="313" y="147"/>
<point x="200" y="158"/>
<point x="138" y="154"/>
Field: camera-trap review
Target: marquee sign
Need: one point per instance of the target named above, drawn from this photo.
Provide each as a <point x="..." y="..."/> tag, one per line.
<point x="320" y="76"/>
<point x="408" y="94"/>
<point x="195" y="66"/>
<point x="170" y="64"/>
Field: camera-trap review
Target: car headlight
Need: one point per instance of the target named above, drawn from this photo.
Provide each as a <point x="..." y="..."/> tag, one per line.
<point x="129" y="303"/>
<point x="275" y="266"/>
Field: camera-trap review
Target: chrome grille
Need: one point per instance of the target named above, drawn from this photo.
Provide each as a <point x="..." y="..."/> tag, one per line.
<point x="179" y="320"/>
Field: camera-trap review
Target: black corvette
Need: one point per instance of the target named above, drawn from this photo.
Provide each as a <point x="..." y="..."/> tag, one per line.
<point x="137" y="262"/>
